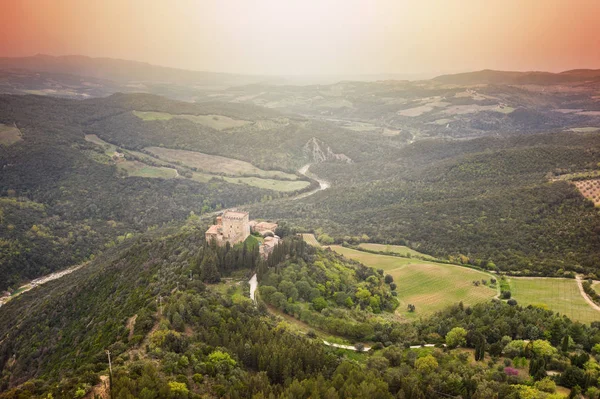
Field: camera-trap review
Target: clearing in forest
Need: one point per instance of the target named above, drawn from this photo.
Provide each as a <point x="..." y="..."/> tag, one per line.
<point x="428" y="285"/>
<point x="9" y="135"/>
<point x="557" y="294"/>
<point x="311" y="240"/>
<point x="216" y="164"/>
<point x="140" y="169"/>
<point x="217" y="122"/>
<point x="395" y="249"/>
<point x="590" y="189"/>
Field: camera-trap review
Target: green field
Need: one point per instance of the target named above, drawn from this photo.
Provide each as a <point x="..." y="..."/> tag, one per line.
<point x="427" y="285"/>
<point x="213" y="163"/>
<point x="558" y="294"/>
<point x="270" y="184"/>
<point x="217" y="122"/>
<point x="140" y="169"/>
<point x="216" y="164"/>
<point x="9" y="135"/>
<point x="311" y="240"/>
<point x="395" y="249"/>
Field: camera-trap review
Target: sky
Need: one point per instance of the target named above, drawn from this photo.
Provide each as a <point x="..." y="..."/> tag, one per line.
<point x="308" y="37"/>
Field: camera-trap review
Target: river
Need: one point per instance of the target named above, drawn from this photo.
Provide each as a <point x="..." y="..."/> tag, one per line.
<point x="323" y="184"/>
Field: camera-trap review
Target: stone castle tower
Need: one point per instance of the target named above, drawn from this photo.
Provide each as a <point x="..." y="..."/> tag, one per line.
<point x="232" y="227"/>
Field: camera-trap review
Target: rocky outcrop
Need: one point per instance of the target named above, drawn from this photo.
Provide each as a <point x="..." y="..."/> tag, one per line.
<point x="318" y="152"/>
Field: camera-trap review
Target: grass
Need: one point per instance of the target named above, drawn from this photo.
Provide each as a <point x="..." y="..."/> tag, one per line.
<point x="311" y="240"/>
<point x="215" y="163"/>
<point x="217" y="122"/>
<point x="557" y="294"/>
<point x="269" y="184"/>
<point x="428" y="285"/>
<point x="9" y="135"/>
<point x="396" y="249"/>
<point x="167" y="170"/>
<point x="140" y="169"/>
<point x="596" y="286"/>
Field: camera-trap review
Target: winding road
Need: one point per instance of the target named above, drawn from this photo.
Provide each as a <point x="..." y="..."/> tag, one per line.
<point x="253" y="285"/>
<point x="584" y="295"/>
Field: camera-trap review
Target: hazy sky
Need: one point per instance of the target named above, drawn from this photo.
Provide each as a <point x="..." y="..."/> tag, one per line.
<point x="306" y="37"/>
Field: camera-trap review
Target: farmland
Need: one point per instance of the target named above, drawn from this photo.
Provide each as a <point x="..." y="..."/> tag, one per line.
<point x="140" y="169"/>
<point x="590" y="189"/>
<point x="9" y="135"/>
<point x="427" y="285"/>
<point x="215" y="164"/>
<point x="395" y="249"/>
<point x="557" y="294"/>
<point x="217" y="122"/>
<point x="167" y="169"/>
<point x="311" y="240"/>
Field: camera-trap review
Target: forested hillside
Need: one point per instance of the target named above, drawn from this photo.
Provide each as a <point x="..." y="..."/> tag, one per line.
<point x="492" y="202"/>
<point x="175" y="337"/>
<point x="64" y="199"/>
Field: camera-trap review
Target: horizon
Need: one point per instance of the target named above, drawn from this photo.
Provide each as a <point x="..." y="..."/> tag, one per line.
<point x="299" y="39"/>
<point x="306" y="76"/>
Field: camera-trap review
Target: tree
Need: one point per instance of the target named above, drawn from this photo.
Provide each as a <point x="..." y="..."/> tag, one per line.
<point x="389" y="279"/>
<point x="208" y="268"/>
<point x="411" y="308"/>
<point x="565" y="344"/>
<point x="325" y="239"/>
<point x="456" y="337"/>
<point x="319" y="303"/>
<point x="178" y="390"/>
<point x="426" y="364"/>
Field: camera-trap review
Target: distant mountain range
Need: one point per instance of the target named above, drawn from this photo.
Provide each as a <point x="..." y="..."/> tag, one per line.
<point x="504" y="77"/>
<point x="125" y="71"/>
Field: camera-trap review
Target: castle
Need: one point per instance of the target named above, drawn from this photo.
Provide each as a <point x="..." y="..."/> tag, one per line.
<point x="234" y="227"/>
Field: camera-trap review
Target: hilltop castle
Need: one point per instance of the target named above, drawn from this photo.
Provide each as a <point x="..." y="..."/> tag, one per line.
<point x="234" y="227"/>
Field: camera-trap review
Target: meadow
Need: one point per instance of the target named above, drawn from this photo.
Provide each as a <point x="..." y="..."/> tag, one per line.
<point x="9" y="135"/>
<point x="557" y="294"/>
<point x="215" y="164"/>
<point x="217" y="122"/>
<point x="140" y="169"/>
<point x="395" y="249"/>
<point x="311" y="240"/>
<point x="428" y="285"/>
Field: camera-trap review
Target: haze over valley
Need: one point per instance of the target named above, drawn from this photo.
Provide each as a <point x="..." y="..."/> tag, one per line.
<point x="282" y="223"/>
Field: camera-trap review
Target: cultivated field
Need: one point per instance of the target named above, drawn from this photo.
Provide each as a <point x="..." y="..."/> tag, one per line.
<point x="427" y="285"/>
<point x="270" y="184"/>
<point x="217" y="122"/>
<point x="167" y="169"/>
<point x="590" y="189"/>
<point x="140" y="169"/>
<point x="396" y="249"/>
<point x="215" y="164"/>
<point x="311" y="240"/>
<point x="558" y="294"/>
<point x="9" y="135"/>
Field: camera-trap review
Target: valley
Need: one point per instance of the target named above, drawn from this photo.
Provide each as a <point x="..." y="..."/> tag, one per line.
<point x="439" y="219"/>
